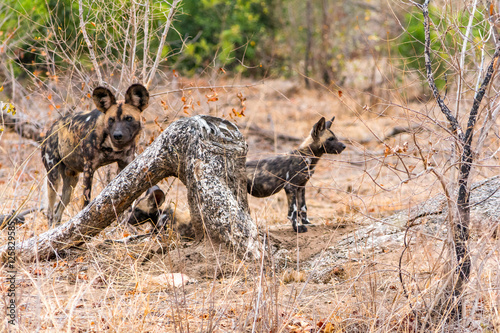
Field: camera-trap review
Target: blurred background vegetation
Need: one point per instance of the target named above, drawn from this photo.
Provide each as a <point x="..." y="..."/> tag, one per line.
<point x="314" y="40"/>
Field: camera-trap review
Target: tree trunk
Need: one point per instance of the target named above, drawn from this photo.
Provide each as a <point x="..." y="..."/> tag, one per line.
<point x="207" y="154"/>
<point x="462" y="222"/>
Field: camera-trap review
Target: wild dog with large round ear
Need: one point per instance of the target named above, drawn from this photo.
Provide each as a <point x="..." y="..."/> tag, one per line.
<point x="148" y="209"/>
<point x="86" y="141"/>
<point x="292" y="171"/>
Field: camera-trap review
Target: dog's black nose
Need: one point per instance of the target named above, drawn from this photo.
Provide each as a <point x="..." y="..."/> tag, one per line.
<point x="118" y="136"/>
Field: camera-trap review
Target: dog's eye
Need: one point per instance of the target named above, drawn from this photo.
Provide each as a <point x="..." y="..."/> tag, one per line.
<point x="111" y="120"/>
<point x="331" y="138"/>
<point x="129" y="118"/>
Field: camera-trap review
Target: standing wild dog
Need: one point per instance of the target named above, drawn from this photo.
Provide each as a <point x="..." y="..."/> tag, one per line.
<point x="292" y="171"/>
<point x="86" y="141"/>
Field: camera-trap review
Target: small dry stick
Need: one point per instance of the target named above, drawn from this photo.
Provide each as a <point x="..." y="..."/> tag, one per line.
<point x="134" y="41"/>
<point x="125" y="43"/>
<point x="146" y="41"/>
<point x="462" y="56"/>
<point x="89" y="44"/>
<point x="162" y="42"/>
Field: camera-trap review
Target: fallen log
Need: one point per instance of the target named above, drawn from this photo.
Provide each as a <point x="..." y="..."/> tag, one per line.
<point x="22" y="125"/>
<point x="382" y="235"/>
<point x="207" y="154"/>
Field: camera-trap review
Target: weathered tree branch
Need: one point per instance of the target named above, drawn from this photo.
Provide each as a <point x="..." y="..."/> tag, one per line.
<point x="21" y="124"/>
<point x="207" y="154"/>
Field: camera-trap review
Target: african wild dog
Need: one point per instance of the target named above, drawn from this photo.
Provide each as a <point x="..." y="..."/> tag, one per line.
<point x="269" y="176"/>
<point x="147" y="209"/>
<point x="86" y="141"/>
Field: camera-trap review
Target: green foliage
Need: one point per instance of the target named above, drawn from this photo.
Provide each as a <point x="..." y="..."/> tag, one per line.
<point x="411" y="45"/>
<point x="444" y="44"/>
<point x="31" y="27"/>
<point x="231" y="35"/>
<point x="224" y="33"/>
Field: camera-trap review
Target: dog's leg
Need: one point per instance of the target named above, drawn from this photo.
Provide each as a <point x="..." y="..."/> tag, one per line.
<point x="301" y="199"/>
<point x="88" y="175"/>
<point x="70" y="179"/>
<point x="123" y="164"/>
<point x="291" y="195"/>
<point x="52" y="185"/>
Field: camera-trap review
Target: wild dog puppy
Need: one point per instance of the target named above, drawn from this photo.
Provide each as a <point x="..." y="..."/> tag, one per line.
<point x="86" y="141"/>
<point x="292" y="171"/>
<point x="148" y="209"/>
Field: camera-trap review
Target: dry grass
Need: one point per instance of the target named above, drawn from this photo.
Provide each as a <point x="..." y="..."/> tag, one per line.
<point x="110" y="287"/>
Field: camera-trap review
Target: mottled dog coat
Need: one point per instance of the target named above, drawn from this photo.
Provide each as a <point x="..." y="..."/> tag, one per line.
<point x="148" y="209"/>
<point x="86" y="141"/>
<point x="292" y="171"/>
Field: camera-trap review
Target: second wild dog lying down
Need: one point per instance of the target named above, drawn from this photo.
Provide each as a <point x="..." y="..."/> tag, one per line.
<point x="148" y="209"/>
<point x="292" y="171"/>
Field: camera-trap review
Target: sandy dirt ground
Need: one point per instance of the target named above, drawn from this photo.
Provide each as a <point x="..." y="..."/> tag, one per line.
<point x="103" y="286"/>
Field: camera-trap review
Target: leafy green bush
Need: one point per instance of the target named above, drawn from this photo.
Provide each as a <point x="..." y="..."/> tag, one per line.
<point x="228" y="34"/>
<point x="446" y="40"/>
<point x="208" y="33"/>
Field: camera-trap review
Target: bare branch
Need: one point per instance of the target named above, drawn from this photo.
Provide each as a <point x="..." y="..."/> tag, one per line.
<point x="462" y="56"/>
<point x="124" y="56"/>
<point x="480" y="94"/>
<point x="89" y="44"/>
<point x="430" y="76"/>
<point x="146" y="41"/>
<point x="134" y="40"/>
<point x="170" y="17"/>
<point x="489" y="120"/>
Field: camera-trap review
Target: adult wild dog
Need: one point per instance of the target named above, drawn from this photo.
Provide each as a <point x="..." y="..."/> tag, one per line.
<point x="292" y="171"/>
<point x="86" y="141"/>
